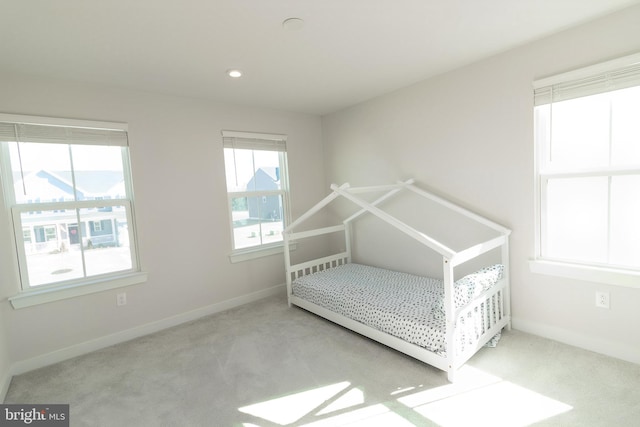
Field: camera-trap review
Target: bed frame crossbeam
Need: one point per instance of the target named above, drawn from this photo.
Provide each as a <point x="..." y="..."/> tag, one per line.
<point x="378" y="188"/>
<point x="314" y="210"/>
<point x="317" y="232"/>
<point x="459" y="209"/>
<point x="395" y="189"/>
<point x="476" y="250"/>
<point x="393" y="221"/>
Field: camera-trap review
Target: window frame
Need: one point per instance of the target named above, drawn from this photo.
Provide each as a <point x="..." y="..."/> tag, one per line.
<point x="261" y="142"/>
<point x="580" y="270"/>
<point x="32" y="294"/>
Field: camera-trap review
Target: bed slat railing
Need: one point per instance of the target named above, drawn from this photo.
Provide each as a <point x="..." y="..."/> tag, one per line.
<point x="484" y="297"/>
<point x="298" y="270"/>
<point x="490" y="305"/>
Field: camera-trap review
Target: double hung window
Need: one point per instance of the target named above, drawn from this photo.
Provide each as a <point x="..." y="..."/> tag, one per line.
<point x="257" y="189"/>
<point x="587" y="136"/>
<point x="67" y="185"/>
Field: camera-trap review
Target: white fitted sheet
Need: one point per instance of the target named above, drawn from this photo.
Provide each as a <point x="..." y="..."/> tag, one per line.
<point x="406" y="306"/>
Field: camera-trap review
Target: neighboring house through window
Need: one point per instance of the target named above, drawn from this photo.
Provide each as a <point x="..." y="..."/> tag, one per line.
<point x="67" y="185"/>
<point x="587" y="136"/>
<point x="257" y="187"/>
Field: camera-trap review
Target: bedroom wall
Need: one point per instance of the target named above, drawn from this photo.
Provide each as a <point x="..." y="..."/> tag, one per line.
<point x="468" y="134"/>
<point x="178" y="176"/>
<point x="6" y="270"/>
<point x="5" y="375"/>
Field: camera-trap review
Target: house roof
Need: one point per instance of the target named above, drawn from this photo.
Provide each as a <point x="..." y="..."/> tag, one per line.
<point x="266" y="178"/>
<point x="343" y="53"/>
<point x="95" y="182"/>
<point x="271" y="172"/>
<point x="87" y="182"/>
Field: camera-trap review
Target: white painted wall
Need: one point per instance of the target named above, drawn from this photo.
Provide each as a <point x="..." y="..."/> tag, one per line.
<point x="178" y="175"/>
<point x="5" y="365"/>
<point x="6" y="271"/>
<point x="469" y="135"/>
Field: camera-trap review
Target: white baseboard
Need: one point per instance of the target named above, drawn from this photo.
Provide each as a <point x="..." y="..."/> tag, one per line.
<point x="139" y="331"/>
<point x="619" y="350"/>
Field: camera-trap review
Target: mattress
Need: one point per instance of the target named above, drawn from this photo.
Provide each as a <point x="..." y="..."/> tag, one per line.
<point x="406" y="306"/>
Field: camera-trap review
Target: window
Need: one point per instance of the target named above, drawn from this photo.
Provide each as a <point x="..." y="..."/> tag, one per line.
<point x="587" y="136"/>
<point x="257" y="188"/>
<point x="67" y="185"/>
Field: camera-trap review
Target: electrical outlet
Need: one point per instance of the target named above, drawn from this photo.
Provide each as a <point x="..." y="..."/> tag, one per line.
<point x="602" y="299"/>
<point x="121" y="299"/>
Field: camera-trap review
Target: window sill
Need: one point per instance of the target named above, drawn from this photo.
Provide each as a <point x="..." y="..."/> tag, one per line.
<point x="609" y="276"/>
<point x="249" y="254"/>
<point x="43" y="296"/>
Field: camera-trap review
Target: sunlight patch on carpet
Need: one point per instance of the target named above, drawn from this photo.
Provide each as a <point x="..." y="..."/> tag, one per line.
<point x="353" y="397"/>
<point x="372" y="416"/>
<point x="483" y="399"/>
<point x="288" y="409"/>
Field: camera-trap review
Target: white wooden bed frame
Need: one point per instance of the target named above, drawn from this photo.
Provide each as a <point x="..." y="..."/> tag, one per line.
<point x="496" y="300"/>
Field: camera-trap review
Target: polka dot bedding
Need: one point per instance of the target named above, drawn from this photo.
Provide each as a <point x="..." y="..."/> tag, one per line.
<point x="403" y="305"/>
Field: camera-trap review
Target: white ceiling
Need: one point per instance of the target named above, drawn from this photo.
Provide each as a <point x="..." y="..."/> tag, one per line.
<point x="347" y="52"/>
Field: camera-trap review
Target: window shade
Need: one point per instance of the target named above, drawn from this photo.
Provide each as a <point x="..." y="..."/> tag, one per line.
<point x="258" y="141"/>
<point x="604" y="79"/>
<point x="61" y="134"/>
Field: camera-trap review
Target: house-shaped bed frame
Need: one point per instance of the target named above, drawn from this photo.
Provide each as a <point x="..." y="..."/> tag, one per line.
<point x="494" y="303"/>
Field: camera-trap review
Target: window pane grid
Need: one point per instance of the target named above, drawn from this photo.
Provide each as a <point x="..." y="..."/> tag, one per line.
<point x="589" y="148"/>
<point x="590" y="172"/>
<point x="98" y="204"/>
<point x="70" y="201"/>
<point x="256" y="186"/>
<point x="257" y="219"/>
<point x="67" y="247"/>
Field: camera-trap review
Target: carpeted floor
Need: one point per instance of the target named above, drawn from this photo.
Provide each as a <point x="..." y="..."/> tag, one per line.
<point x="267" y="365"/>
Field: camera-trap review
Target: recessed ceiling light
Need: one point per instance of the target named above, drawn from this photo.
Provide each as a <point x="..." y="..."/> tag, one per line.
<point x="234" y="73"/>
<point x="293" y="24"/>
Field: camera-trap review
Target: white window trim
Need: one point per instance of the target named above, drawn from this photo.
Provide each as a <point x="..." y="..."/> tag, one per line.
<point x="584" y="272"/>
<point x="587" y="273"/>
<point x="56" y="121"/>
<point x="247" y="254"/>
<point x="269" y="249"/>
<point x="36" y="295"/>
<point x="591" y="70"/>
<point x="89" y="286"/>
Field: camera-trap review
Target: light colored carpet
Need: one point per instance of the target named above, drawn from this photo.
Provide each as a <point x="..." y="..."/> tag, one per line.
<point x="267" y="365"/>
